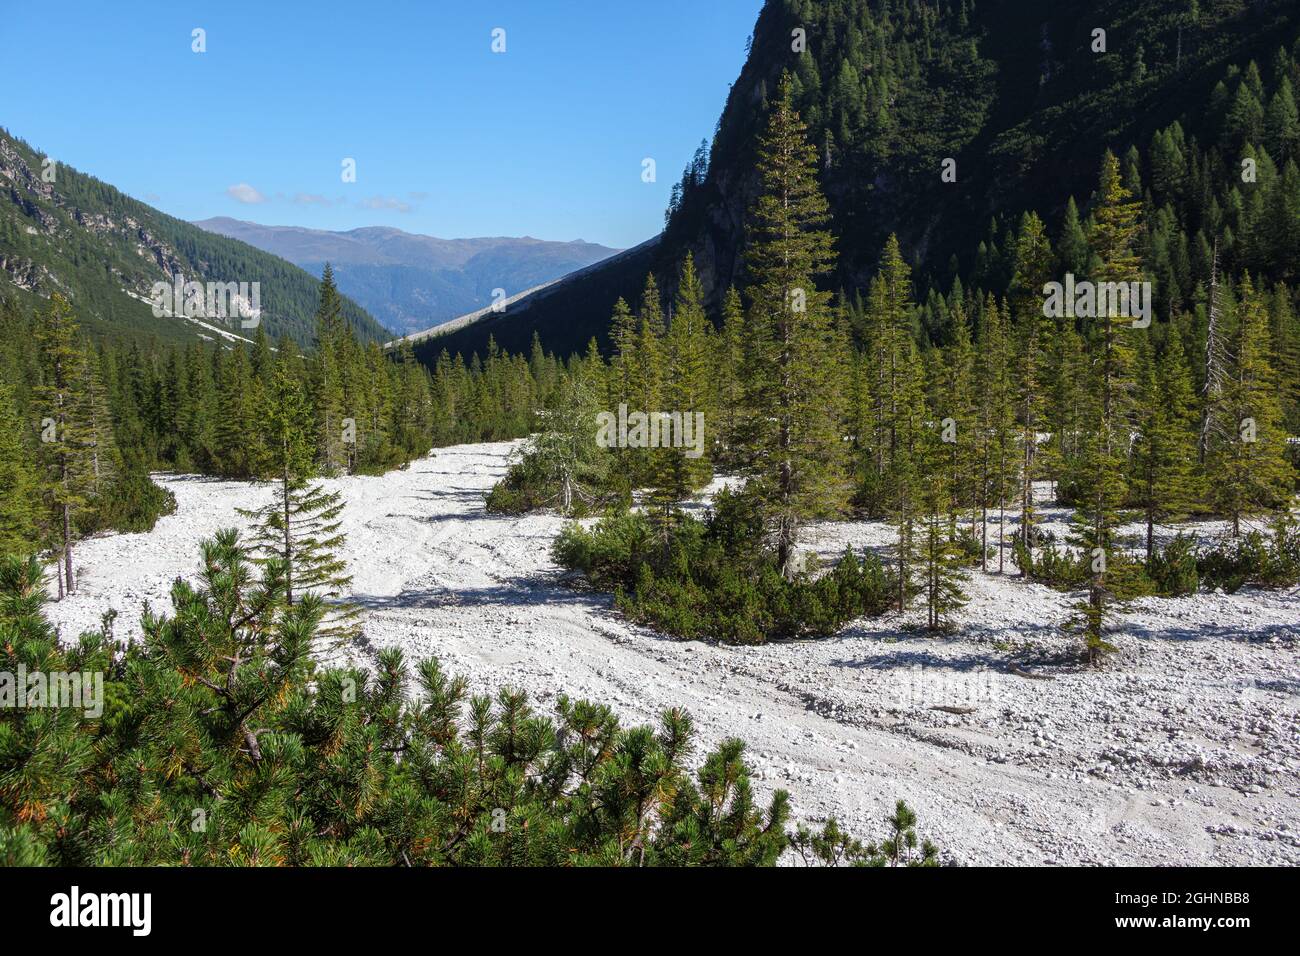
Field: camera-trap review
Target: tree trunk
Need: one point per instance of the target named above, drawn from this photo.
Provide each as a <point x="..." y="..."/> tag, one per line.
<point x="984" y="536"/>
<point x="67" y="547"/>
<point x="955" y="500"/>
<point x="288" y="541"/>
<point x="1027" y="491"/>
<point x="984" y="513"/>
<point x="1002" y="533"/>
<point x="902" y="576"/>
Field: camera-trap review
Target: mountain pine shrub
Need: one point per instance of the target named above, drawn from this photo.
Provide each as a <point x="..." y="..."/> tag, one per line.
<point x="716" y="578"/>
<point x="1173" y="568"/>
<point x="831" y="846"/>
<point x="131" y="502"/>
<point x="1264" y="560"/>
<point x="221" y="743"/>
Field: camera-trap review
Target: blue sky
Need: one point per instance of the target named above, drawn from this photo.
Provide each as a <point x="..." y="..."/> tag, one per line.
<point x="449" y="138"/>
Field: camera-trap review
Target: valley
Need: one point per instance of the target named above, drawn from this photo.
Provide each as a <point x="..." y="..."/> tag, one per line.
<point x="932" y="440"/>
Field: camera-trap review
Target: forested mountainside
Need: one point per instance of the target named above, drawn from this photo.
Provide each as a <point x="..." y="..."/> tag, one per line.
<point x="67" y="232"/>
<point x="1020" y="95"/>
<point x="411" y="282"/>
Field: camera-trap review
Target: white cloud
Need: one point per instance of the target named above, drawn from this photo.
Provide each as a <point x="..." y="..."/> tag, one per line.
<point x="311" y="199"/>
<point x="385" y="202"/>
<point x="242" y="192"/>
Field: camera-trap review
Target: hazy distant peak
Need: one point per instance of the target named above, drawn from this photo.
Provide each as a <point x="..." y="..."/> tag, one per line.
<point x="411" y="281"/>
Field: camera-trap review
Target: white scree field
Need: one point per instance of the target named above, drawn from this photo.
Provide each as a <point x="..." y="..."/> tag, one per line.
<point x="1185" y="749"/>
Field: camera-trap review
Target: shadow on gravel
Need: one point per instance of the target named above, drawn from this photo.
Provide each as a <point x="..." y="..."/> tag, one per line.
<point x="882" y="631"/>
<point x="207" y="480"/>
<point x="454" y="504"/>
<point x="1039" y="646"/>
<point x="926" y="659"/>
<point x="516" y="592"/>
<point x="471" y="497"/>
<point x="1204" y="632"/>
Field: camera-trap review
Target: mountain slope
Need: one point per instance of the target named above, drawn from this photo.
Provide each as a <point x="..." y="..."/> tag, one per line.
<point x="412" y="282"/>
<point x="104" y="251"/>
<point x="1010" y="89"/>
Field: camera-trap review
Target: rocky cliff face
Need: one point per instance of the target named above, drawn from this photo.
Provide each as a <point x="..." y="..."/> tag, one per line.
<point x="49" y="214"/>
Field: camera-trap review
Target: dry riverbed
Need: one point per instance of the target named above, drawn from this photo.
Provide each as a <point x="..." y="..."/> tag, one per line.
<point x="1185" y="749"/>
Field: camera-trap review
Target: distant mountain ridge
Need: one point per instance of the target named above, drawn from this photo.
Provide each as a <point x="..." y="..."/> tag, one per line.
<point x="64" y="231"/>
<point x="526" y="298"/>
<point x="412" y="282"/>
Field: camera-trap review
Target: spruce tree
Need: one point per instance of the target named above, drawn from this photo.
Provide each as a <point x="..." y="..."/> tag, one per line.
<point x="679" y="470"/>
<point x="1033" y="268"/>
<point x="537" y="364"/>
<point x="944" y="569"/>
<point x="875" y="428"/>
<point x="1282" y="122"/>
<point x="909" y="475"/>
<point x="1216" y="424"/>
<point x="622" y="335"/>
<point x="564" y="457"/>
<point x="1073" y="246"/>
<point x="730" y="377"/>
<point x="1164" y="482"/>
<point x="239" y="438"/>
<point x="1108" y="422"/>
<point x="1248" y="469"/>
<point x="940" y="556"/>
<point x="196" y="414"/>
<point x="19" y="505"/>
<point x="894" y="385"/>
<point x="648" y="349"/>
<point x="1064" y="409"/>
<point x="797" y="389"/>
<point x="1285" y="335"/>
<point x="299" y="527"/>
<point x="103" y="459"/>
<point x="893" y="327"/>
<point x="328" y="396"/>
<point x="957" y="407"/>
<point x="645" y="377"/>
<point x="66" y="437"/>
<point x="995" y="423"/>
